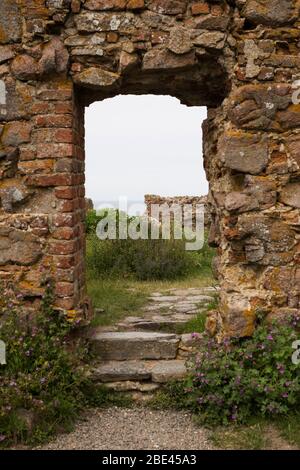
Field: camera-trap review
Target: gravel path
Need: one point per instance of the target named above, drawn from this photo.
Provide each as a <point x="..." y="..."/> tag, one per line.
<point x="133" y="429"/>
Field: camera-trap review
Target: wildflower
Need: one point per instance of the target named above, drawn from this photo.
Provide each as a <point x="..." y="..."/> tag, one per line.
<point x="270" y="337"/>
<point x="195" y="335"/>
<point x="2" y="437"/>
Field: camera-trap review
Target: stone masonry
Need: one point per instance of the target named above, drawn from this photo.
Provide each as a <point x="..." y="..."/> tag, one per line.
<point x="240" y="58"/>
<point x="196" y="204"/>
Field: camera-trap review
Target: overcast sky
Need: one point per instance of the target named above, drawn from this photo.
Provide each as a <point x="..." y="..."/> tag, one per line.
<point x="137" y="145"/>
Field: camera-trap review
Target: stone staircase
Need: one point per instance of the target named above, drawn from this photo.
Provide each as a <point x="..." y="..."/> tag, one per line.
<point x="140" y="354"/>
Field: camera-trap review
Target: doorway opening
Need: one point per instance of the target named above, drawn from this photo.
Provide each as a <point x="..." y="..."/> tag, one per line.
<point x="141" y="149"/>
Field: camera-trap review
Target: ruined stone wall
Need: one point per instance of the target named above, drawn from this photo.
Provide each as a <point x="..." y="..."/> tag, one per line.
<point x="240" y="58"/>
<point x="197" y="204"/>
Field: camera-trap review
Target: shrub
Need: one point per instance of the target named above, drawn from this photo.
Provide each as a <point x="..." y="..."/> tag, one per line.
<point x="144" y="259"/>
<point x="45" y="383"/>
<point x="242" y="378"/>
<point x="91" y="221"/>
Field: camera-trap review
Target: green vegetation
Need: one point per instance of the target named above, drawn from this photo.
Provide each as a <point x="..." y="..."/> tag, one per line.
<point x="45" y="383"/>
<point x="115" y="299"/>
<point x="142" y="259"/>
<point x="251" y="437"/>
<point x="238" y="379"/>
<point x="197" y="324"/>
<point x="123" y="273"/>
<point x="289" y="428"/>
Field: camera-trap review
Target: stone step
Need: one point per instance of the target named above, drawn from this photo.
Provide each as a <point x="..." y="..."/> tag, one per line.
<point x="165" y="371"/>
<point x="117" y="371"/>
<point x="168" y="324"/>
<point x="132" y="373"/>
<point x="122" y="346"/>
<point x="129" y="386"/>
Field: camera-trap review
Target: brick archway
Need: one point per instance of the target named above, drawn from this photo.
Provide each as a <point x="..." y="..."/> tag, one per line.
<point x="238" y="58"/>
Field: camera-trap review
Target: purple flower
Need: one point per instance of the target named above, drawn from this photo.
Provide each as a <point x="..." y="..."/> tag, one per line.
<point x="195" y="335"/>
<point x="270" y="338"/>
<point x="2" y="437"/>
<point x="285" y="395"/>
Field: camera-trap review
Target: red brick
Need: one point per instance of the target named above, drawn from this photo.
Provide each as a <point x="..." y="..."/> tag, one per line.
<point x="65" y="233"/>
<point x="53" y="120"/>
<point x="40" y="108"/>
<point x="53" y="135"/>
<point x="65" y="165"/>
<point x="68" y="303"/>
<point x="46" y="150"/>
<point x="64" y="262"/>
<point x="49" y="180"/>
<point x="66" y="193"/>
<point x="64" y="289"/>
<point x="63" y="248"/>
<point x="65" y="220"/>
<point x="36" y="166"/>
<point x="200" y="8"/>
<point x="66" y="275"/>
<point x="27" y="153"/>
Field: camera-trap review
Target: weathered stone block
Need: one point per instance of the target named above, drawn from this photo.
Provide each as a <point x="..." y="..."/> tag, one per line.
<point x="180" y="40"/>
<point x="256" y="107"/>
<point x="121" y="370"/>
<point x="164" y="371"/>
<point x="6" y="53"/>
<point x="135" y="345"/>
<point x="290" y="195"/>
<point x="16" y="133"/>
<point x="162" y="59"/>
<point x="18" y="247"/>
<point x="168" y="7"/>
<point x="10" y="22"/>
<point x="105" y="5"/>
<point x="24" y="67"/>
<point x="246" y="153"/>
<point x="270" y="12"/>
<point x="96" y="77"/>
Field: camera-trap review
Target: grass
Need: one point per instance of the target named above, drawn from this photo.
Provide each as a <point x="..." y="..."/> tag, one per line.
<point x="289" y="429"/>
<point x="197" y="324"/>
<point x="124" y="297"/>
<point x="121" y="294"/>
<point x="116" y="298"/>
<point x="251" y="437"/>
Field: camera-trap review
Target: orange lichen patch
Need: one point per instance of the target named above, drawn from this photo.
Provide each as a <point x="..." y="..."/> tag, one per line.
<point x="250" y="317"/>
<point x="3" y="36"/>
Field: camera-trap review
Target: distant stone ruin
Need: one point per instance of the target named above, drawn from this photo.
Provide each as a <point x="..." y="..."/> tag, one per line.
<point x="196" y="203"/>
<point x="240" y="58"/>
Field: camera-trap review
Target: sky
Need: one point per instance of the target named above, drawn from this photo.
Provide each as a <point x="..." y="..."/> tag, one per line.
<point x="137" y="145"/>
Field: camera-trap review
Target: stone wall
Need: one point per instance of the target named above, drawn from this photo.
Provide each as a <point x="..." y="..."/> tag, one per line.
<point x="240" y="58"/>
<point x="197" y="204"/>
